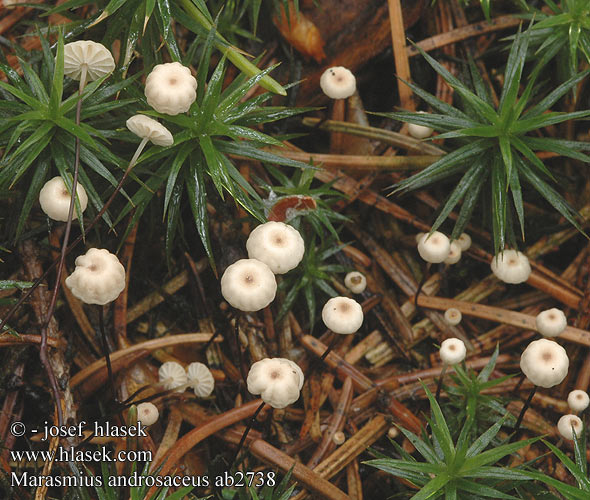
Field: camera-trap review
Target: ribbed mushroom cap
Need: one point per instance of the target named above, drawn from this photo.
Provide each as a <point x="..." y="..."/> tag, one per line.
<point x="99" y="277"/>
<point x="578" y="400"/>
<point x="200" y="379"/>
<point x="419" y="131"/>
<point x="338" y="82"/>
<point x="171" y="88"/>
<point x="568" y="424"/>
<point x="511" y="266"/>
<point x="147" y="413"/>
<point x="454" y="253"/>
<point x="452" y="351"/>
<point x="172" y="375"/>
<point x="276" y="380"/>
<point x="54" y="199"/>
<point x="248" y="285"/>
<point x="342" y="315"/>
<point x="464" y="241"/>
<point x="434" y="247"/>
<point x="277" y="244"/>
<point x="145" y="127"/>
<point x="551" y="323"/>
<point x="355" y="282"/>
<point x="453" y="316"/>
<point x="97" y="58"/>
<point x="544" y="362"/>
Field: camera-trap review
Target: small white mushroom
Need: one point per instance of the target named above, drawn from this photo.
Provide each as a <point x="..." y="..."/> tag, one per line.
<point x="568" y="424"/>
<point x="276" y="380"/>
<point x="355" y="282"/>
<point x="338" y="82"/>
<point x="99" y="277"/>
<point x="454" y="253"/>
<point x="248" y="285"/>
<point x="86" y="60"/>
<point x="419" y="131"/>
<point x="173" y="376"/>
<point x="171" y="88"/>
<point x="147" y="414"/>
<point x="551" y="323"/>
<point x="342" y="315"/>
<point x="511" y="266"/>
<point x="200" y="379"/>
<point x="578" y="400"/>
<point x="148" y="128"/>
<point x="452" y="351"/>
<point x="54" y="199"/>
<point x="544" y="362"/>
<point x="434" y="247"/>
<point x="464" y="241"/>
<point x="338" y="438"/>
<point x="277" y="244"/>
<point x="393" y="432"/>
<point x="453" y="316"/>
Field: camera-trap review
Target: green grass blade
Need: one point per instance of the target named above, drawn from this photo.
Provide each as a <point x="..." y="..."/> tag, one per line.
<point x="58" y="78"/>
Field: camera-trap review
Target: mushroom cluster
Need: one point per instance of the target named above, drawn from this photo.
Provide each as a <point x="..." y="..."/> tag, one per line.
<point x="173" y="376"/>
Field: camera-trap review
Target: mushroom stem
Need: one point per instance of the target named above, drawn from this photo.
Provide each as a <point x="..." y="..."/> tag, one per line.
<point x="524" y="409"/>
<point x="440" y="381"/>
<point x="138" y="151"/>
<point x="314" y="363"/>
<point x="106" y="352"/>
<point x="518" y="384"/>
<point x="245" y="435"/>
<point x="338" y="114"/>
<point x="421" y="285"/>
<point x="239" y="349"/>
<point x="83" y="78"/>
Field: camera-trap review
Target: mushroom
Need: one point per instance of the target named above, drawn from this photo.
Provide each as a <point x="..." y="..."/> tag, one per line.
<point x="551" y="323"/>
<point x="276" y="380"/>
<point x="171" y="88"/>
<point x="99" y="277"/>
<point x="568" y="424"/>
<point x="454" y="253"/>
<point x="200" y="379"/>
<point x="86" y="61"/>
<point x="248" y="285"/>
<point x="149" y="129"/>
<point x="452" y="351"/>
<point x="54" y="199"/>
<point x="338" y="438"/>
<point x="342" y="315"/>
<point x="434" y="247"/>
<point x="355" y="282"/>
<point x="393" y="432"/>
<point x="511" y="266"/>
<point x="147" y="414"/>
<point x="338" y="82"/>
<point x="464" y="241"/>
<point x="453" y="316"/>
<point x="277" y="244"/>
<point x="419" y="131"/>
<point x="544" y="362"/>
<point x="419" y="237"/>
<point x="578" y="400"/>
<point x="173" y="376"/>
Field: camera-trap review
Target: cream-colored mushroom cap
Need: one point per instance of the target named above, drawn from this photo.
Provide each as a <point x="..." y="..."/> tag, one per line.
<point x="578" y="400"/>
<point x="355" y="282"/>
<point x="454" y="253"/>
<point x="172" y="375"/>
<point x="277" y="244"/>
<point x="200" y="379"/>
<point x="551" y="323"/>
<point x="338" y="438"/>
<point x="97" y="58"/>
<point x="171" y="88"/>
<point x="147" y="414"/>
<point x="419" y="131"/>
<point x="418" y="237"/>
<point x="464" y="241"/>
<point x="544" y="362"/>
<point x="276" y="380"/>
<point x="298" y="369"/>
<point x="338" y="82"/>
<point x="511" y="266"/>
<point x="434" y="247"/>
<point x="393" y="432"/>
<point x="99" y="277"/>
<point x="145" y="127"/>
<point x="568" y="424"/>
<point x="248" y="285"/>
<point x="452" y="351"/>
<point x="453" y="316"/>
<point x="54" y="199"/>
<point x="342" y="315"/>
